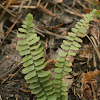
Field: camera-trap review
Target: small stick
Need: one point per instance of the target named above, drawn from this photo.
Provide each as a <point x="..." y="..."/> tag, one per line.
<point x="50" y="33"/>
<point x="28" y="4"/>
<point x="45" y="10"/>
<point x="4" y="11"/>
<point x="78" y="1"/>
<point x="96" y="49"/>
<point x="40" y="33"/>
<point x="17" y="6"/>
<point x="8" y="31"/>
<point x="7" y="11"/>
<point x="21" y="5"/>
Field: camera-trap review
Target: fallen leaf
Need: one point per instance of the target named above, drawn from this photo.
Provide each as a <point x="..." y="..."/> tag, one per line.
<point x="89" y="75"/>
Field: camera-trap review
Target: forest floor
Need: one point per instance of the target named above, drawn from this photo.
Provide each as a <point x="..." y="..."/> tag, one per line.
<point x="53" y="19"/>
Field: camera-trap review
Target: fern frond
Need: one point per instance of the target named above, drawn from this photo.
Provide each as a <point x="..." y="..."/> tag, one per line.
<point x="31" y="51"/>
<point x="69" y="47"/>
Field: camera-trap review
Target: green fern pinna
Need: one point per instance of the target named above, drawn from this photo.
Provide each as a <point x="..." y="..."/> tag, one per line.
<point x="33" y="61"/>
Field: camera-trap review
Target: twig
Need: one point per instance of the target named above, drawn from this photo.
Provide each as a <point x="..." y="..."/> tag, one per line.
<point x="8" y="28"/>
<point x="28" y="4"/>
<point x="45" y="10"/>
<point x="50" y="33"/>
<point x="39" y="6"/>
<point x="89" y="1"/>
<point x="69" y="8"/>
<point x="95" y="48"/>
<point x="8" y="31"/>
<point x="78" y="1"/>
<point x="5" y="9"/>
<point x="74" y="2"/>
<point x="71" y="12"/>
<point x="17" y="6"/>
<point x="38" y="3"/>
<point x="54" y="34"/>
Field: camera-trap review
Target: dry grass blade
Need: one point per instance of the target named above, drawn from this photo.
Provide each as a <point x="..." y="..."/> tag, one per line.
<point x="6" y="11"/>
<point x="49" y="33"/>
<point x="80" y="15"/>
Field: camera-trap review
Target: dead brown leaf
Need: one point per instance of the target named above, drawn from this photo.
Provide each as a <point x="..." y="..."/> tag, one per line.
<point x="89" y="75"/>
<point x="88" y="78"/>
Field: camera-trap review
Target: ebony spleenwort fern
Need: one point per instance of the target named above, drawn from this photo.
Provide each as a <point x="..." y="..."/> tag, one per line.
<point x="69" y="47"/>
<point x="31" y="51"/>
<point x="30" y="48"/>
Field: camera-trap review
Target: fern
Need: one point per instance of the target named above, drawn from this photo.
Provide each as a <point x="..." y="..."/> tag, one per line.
<point x="69" y="47"/>
<point x="33" y="62"/>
